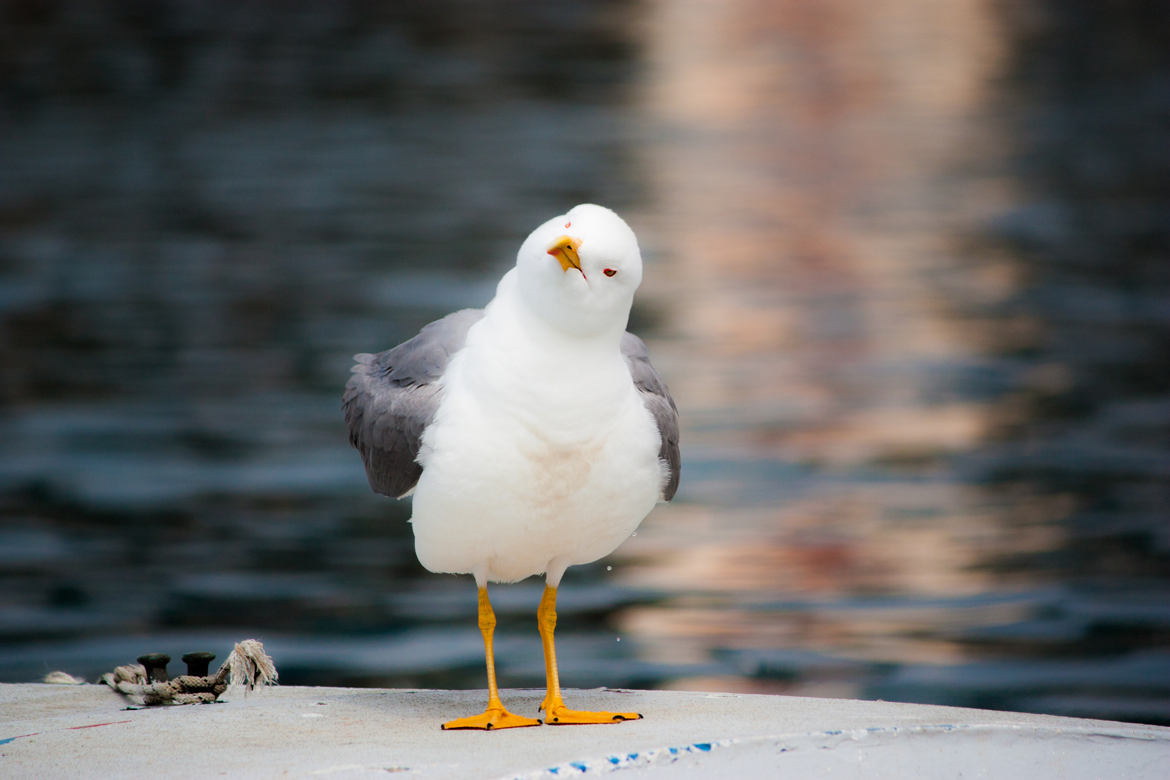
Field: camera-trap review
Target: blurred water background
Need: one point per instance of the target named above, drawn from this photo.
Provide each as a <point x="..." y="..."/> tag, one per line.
<point x="908" y="277"/>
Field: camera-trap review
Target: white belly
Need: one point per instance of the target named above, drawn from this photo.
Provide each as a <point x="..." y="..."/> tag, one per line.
<point x="504" y="494"/>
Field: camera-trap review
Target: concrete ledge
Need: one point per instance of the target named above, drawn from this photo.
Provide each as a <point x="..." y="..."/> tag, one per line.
<point x="50" y="731"/>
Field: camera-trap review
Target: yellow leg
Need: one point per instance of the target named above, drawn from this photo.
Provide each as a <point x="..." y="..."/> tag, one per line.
<point x="556" y="713"/>
<point x="496" y="717"/>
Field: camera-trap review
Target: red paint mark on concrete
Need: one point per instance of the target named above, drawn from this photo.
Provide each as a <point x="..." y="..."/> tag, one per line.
<point x="95" y="725"/>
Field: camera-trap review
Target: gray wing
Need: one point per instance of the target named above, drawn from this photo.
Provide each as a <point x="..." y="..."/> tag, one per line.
<point x="660" y="404"/>
<point x="392" y="397"/>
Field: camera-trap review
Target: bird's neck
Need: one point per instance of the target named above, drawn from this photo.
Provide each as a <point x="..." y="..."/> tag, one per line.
<point x="510" y="311"/>
<point x="541" y="370"/>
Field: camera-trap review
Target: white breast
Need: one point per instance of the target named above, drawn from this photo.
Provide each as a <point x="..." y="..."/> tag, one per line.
<point x="541" y="454"/>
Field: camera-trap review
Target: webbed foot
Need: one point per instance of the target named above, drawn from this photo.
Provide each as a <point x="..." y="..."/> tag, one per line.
<point x="493" y="718"/>
<point x="560" y="715"/>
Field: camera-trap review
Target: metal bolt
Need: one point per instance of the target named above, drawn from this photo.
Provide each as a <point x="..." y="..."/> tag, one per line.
<point x="156" y="666"/>
<point x="198" y="663"/>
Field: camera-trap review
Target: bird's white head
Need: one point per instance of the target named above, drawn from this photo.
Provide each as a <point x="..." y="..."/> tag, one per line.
<point x="579" y="271"/>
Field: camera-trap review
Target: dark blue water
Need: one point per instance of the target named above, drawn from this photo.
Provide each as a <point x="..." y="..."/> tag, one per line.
<point x="907" y="277"/>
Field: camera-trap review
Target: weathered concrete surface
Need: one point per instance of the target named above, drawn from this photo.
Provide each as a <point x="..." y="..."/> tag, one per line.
<point x="49" y="731"/>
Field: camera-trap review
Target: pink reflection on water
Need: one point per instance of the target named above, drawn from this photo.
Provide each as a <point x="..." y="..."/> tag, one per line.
<point x="809" y="162"/>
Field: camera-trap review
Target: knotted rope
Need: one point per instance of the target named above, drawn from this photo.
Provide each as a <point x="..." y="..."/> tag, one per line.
<point x="247" y="667"/>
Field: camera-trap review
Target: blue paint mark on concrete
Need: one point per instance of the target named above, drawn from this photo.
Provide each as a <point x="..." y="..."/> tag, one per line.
<point x="13" y="739"/>
<point x="627" y="761"/>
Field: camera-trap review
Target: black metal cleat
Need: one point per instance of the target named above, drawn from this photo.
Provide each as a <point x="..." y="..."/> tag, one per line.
<point x="156" y="666"/>
<point x="198" y="663"/>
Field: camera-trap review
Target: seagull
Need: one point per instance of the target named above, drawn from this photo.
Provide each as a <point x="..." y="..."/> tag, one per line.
<point x="533" y="434"/>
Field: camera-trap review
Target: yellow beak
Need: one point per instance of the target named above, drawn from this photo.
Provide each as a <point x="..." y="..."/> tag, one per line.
<point x="565" y="249"/>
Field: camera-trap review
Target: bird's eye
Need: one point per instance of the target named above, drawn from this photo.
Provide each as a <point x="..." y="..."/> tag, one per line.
<point x="568" y="224"/>
<point x="609" y="272"/>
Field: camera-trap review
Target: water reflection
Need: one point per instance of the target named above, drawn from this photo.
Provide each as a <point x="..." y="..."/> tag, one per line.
<point x="913" y="392"/>
<point x="906" y="279"/>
